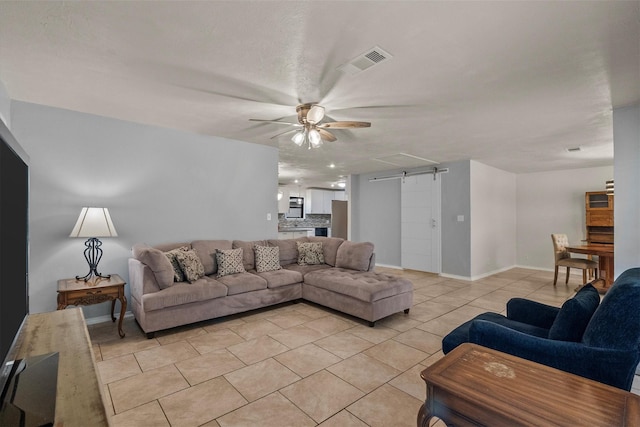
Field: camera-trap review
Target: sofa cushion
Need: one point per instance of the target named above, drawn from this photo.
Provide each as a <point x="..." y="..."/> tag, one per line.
<point x="356" y="256"/>
<point x="602" y="330"/>
<point x="206" y="250"/>
<point x="190" y="264"/>
<point x="367" y="286"/>
<point x="156" y="260"/>
<point x="202" y="289"/>
<point x="240" y="283"/>
<point x="574" y="315"/>
<point x="229" y="261"/>
<point x="288" y="249"/>
<point x="304" y="269"/>
<point x="310" y="253"/>
<point x="267" y="258"/>
<point x="178" y="274"/>
<point x="248" y="255"/>
<point x="282" y="277"/>
<point x="330" y="247"/>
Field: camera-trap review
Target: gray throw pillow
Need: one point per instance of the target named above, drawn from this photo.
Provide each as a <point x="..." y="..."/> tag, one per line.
<point x="190" y="265"/>
<point x="178" y="275"/>
<point x="267" y="258"/>
<point x="310" y="253"/>
<point x="229" y="261"/>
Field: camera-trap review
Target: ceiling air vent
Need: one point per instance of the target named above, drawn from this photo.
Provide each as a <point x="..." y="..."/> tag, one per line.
<point x="574" y="149"/>
<point x="365" y="61"/>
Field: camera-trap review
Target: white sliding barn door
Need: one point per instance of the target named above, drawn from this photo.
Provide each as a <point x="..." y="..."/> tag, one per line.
<point x="420" y="223"/>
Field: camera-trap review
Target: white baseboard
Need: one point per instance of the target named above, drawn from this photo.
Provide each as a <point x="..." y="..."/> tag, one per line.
<point x="395" y="267"/>
<point x="106" y="318"/>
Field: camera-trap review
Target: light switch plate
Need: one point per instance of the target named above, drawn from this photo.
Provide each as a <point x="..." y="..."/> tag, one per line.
<point x="268" y="217"/>
<point x="460" y="218"/>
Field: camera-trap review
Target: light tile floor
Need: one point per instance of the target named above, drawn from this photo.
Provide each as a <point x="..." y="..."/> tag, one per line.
<point x="299" y="364"/>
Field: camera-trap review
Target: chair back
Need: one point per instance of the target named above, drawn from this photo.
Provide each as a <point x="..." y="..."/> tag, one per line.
<point x="616" y="322"/>
<point x="560" y="243"/>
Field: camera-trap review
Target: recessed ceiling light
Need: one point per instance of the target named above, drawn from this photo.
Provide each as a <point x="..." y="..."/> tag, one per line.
<point x="295" y="181"/>
<point x="342" y="184"/>
<point x="332" y="165"/>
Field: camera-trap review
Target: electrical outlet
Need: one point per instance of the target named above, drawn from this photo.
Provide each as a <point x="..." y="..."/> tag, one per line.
<point x="268" y="217"/>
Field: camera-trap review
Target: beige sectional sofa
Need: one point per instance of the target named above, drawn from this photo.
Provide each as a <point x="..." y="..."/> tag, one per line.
<point x="344" y="281"/>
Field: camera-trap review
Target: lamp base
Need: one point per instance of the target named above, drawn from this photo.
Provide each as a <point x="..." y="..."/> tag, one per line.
<point x="91" y="274"/>
<point x="92" y="254"/>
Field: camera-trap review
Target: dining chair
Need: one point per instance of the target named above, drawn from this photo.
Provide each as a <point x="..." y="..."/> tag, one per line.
<point x="563" y="259"/>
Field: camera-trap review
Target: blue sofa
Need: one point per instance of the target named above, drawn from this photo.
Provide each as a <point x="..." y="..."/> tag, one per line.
<point x="586" y="337"/>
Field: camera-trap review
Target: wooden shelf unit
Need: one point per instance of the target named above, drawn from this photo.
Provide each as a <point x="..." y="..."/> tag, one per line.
<point x="599" y="217"/>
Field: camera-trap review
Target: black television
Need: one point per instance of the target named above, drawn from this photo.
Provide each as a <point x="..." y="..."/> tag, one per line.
<point x="14" y="249"/>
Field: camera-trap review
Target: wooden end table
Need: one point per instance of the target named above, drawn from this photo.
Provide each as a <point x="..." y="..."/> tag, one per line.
<point x="94" y="291"/>
<point x="474" y="385"/>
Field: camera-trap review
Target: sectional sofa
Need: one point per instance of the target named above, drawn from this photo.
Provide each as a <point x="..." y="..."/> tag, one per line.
<point x="181" y="283"/>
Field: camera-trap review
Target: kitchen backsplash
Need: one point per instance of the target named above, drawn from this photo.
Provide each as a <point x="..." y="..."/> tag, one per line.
<point x="310" y="221"/>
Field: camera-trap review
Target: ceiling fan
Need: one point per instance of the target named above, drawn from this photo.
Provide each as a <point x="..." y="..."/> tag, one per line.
<point x="309" y="128"/>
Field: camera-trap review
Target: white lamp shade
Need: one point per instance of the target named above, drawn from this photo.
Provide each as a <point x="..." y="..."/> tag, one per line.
<point x="298" y="138"/>
<point x="314" y="138"/>
<point x="94" y="222"/>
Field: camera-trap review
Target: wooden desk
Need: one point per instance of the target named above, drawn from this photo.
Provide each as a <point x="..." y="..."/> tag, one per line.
<point x="79" y="399"/>
<point x="605" y="260"/>
<point x="95" y="291"/>
<point x="474" y="385"/>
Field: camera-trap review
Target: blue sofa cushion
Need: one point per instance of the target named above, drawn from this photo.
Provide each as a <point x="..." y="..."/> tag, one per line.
<point x="574" y="315"/>
<point x="616" y="323"/>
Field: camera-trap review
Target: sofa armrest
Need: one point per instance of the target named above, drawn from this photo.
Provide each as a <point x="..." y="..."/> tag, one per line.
<point x="531" y="312"/>
<point x="372" y="262"/>
<point x="609" y="366"/>
<point x="141" y="279"/>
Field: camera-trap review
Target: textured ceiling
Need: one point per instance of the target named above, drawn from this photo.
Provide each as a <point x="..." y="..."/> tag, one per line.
<point x="510" y="84"/>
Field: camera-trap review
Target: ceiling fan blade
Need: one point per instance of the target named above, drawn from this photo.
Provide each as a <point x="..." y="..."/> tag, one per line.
<point x="327" y="136"/>
<point x="275" y="121"/>
<point x="284" y="133"/>
<point x="344" y="125"/>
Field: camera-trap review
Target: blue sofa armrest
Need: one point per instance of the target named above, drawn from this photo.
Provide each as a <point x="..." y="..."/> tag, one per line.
<point x="608" y="366"/>
<point x="531" y="312"/>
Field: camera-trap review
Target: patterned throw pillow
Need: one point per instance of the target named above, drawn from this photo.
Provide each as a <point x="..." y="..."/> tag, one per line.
<point x="178" y="275"/>
<point x="229" y="261"/>
<point x="190" y="264"/>
<point x="310" y="253"/>
<point x="267" y="258"/>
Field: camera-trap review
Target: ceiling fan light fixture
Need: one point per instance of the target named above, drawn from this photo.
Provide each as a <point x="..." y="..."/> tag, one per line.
<point x="314" y="138"/>
<point x="315" y="114"/>
<point x="298" y="138"/>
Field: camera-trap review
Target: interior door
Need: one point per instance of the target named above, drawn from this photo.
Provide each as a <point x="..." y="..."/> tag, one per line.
<point x="420" y="223"/>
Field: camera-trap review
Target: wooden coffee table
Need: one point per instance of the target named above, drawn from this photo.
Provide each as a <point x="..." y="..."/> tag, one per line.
<point x="474" y="385"/>
<point x="95" y="291"/>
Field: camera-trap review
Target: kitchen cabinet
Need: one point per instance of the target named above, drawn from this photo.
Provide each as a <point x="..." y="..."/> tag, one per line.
<point x="319" y="201"/>
<point x="295" y="234"/>
<point x="283" y="203"/>
<point x="599" y="217"/>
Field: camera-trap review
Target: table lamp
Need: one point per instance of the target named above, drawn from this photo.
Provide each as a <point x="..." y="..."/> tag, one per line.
<point x="93" y="223"/>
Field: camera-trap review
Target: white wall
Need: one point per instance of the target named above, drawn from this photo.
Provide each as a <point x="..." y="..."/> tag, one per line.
<point x="493" y="220"/>
<point x="626" y="134"/>
<point x="375" y="216"/>
<point x="5" y="106"/>
<point x="553" y="202"/>
<point x="160" y="186"/>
